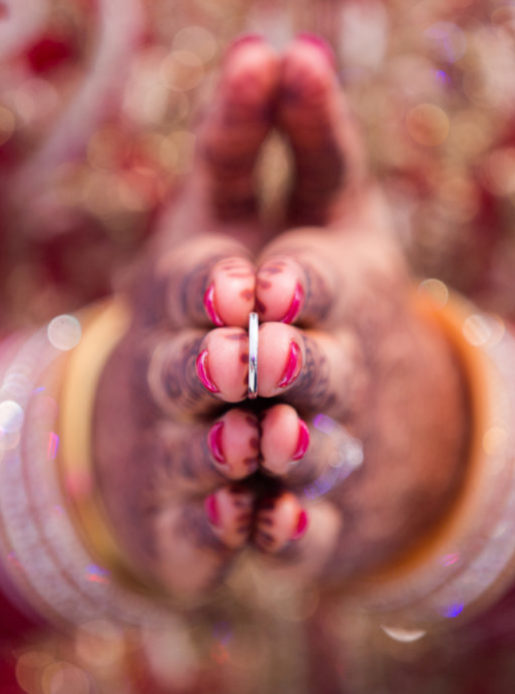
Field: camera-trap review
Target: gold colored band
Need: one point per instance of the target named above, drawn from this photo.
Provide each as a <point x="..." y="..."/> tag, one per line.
<point x="448" y="316"/>
<point x="458" y="529"/>
<point x="103" y="327"/>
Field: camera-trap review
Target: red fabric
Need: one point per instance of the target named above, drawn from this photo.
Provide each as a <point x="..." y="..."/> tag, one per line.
<point x="49" y="53"/>
<point x="8" y="684"/>
<point x="15" y="629"/>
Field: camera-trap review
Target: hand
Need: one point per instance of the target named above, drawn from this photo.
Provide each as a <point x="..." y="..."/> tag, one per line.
<point x="173" y="459"/>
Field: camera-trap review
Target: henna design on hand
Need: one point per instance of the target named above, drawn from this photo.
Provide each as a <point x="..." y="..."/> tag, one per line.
<point x="173" y="382"/>
<point x="313" y="383"/>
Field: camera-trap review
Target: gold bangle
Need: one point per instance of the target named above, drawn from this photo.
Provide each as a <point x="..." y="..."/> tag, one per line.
<point x="103" y="327"/>
<point x="451" y="572"/>
<point x="448" y="312"/>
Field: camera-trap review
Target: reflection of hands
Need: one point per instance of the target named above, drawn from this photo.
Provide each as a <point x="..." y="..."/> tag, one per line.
<point x="164" y="439"/>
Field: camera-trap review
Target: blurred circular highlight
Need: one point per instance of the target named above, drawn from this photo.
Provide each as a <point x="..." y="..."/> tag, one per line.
<point x="428" y="125"/>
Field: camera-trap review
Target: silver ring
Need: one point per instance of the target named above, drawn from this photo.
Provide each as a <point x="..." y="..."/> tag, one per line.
<point x="253" y="354"/>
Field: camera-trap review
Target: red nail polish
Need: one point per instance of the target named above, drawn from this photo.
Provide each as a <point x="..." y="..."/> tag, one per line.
<point x="291" y="369"/>
<point x="321" y="44"/>
<point x="214" y="441"/>
<point x="302" y="442"/>
<point x="242" y="40"/>
<point x="209" y="305"/>
<point x="294" y="308"/>
<point x="302" y="525"/>
<point x="203" y="373"/>
<point x="211" y="509"/>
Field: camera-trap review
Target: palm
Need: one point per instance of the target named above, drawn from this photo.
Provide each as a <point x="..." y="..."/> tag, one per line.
<point x="190" y="480"/>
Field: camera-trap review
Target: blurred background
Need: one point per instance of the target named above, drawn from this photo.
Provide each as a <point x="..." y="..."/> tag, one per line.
<point x="98" y="105"/>
<point x="98" y="102"/>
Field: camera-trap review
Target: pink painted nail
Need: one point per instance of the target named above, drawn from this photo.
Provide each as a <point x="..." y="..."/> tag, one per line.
<point x="214" y="441"/>
<point x="203" y="373"/>
<point x="321" y="44"/>
<point x="211" y="509"/>
<point x="291" y="368"/>
<point x="209" y="305"/>
<point x="302" y="442"/>
<point x="302" y="525"/>
<point x="244" y="39"/>
<point x="294" y="308"/>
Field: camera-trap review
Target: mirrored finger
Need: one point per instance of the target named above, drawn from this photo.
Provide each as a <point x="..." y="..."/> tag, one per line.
<point x="204" y="534"/>
<point x="194" y="373"/>
<point x="235" y="126"/>
<point x="206" y="281"/>
<point x="312" y="370"/>
<point x="315" y="118"/>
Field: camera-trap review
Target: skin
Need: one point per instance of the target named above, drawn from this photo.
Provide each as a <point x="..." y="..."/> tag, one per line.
<point x="366" y="359"/>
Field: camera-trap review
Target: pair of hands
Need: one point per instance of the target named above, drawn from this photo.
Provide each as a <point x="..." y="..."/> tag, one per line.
<point x="191" y="473"/>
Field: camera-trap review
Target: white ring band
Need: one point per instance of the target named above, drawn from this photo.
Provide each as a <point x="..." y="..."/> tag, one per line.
<point x="253" y="354"/>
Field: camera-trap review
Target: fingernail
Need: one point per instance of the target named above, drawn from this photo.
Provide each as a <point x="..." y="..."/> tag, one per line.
<point x="302" y="442"/>
<point x="302" y="525"/>
<point x="211" y="509"/>
<point x="214" y="441"/>
<point x="294" y="308"/>
<point x="203" y="373"/>
<point x="209" y="305"/>
<point x="242" y="40"/>
<point x="292" y="364"/>
<point x="321" y="44"/>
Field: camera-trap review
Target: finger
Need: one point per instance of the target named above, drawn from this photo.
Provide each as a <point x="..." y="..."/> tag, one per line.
<point x="197" y="533"/>
<point x="315" y="118"/>
<point x="233" y="443"/>
<point x="285" y="439"/>
<point x="300" y="536"/>
<point x="313" y="371"/>
<point x="323" y="277"/>
<point x="236" y="125"/>
<point x="312" y="457"/>
<point x="301" y="284"/>
<point x="279" y="521"/>
<point x="191" y="373"/>
<point x="200" y="456"/>
<point x="230" y="514"/>
<point x="206" y="281"/>
<point x="222" y="364"/>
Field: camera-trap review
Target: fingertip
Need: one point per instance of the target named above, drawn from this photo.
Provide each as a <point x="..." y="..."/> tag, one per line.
<point x="283" y="439"/>
<point x="233" y="294"/>
<point x="229" y="513"/>
<point x="234" y="444"/>
<point x="210" y="306"/>
<point x="281" y="358"/>
<point x="280" y="291"/>
<point x="292" y="366"/>
<point x="250" y="62"/>
<point x="303" y="440"/>
<point x="323" y="46"/>
<point x="204" y="372"/>
<point x="242" y="41"/>
<point x="311" y="57"/>
<point x="279" y="522"/>
<point x="222" y="364"/>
